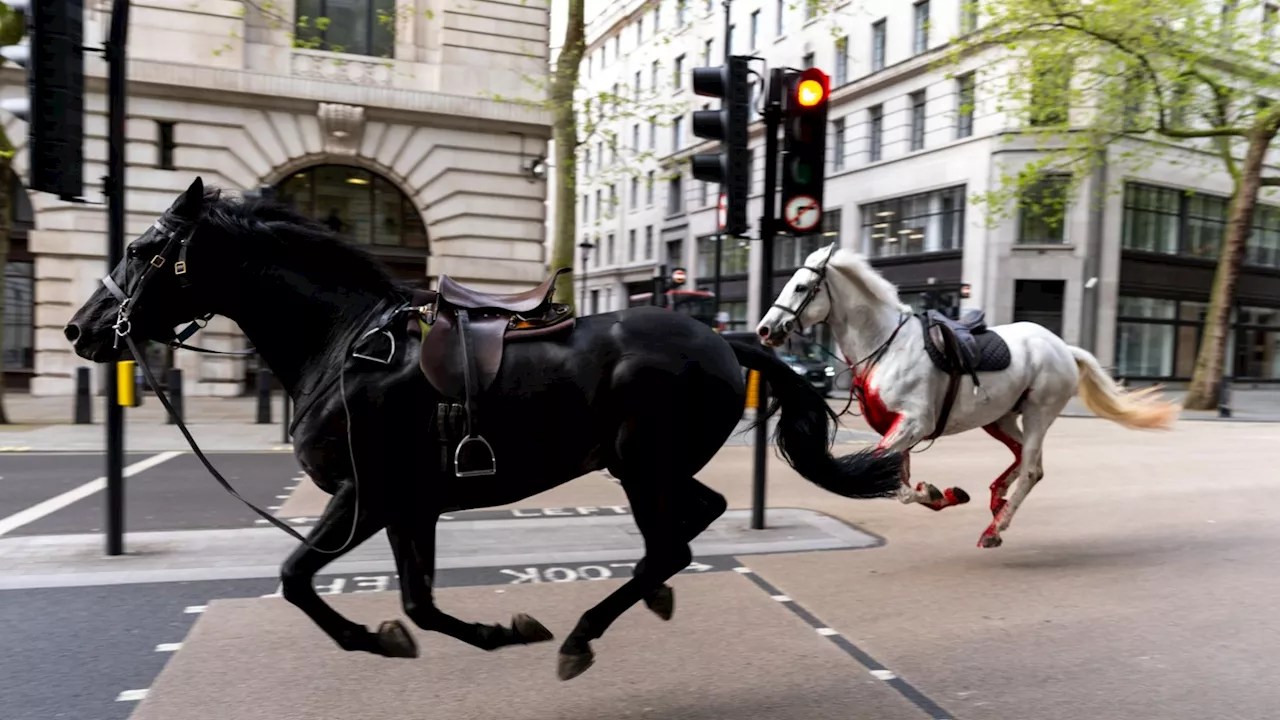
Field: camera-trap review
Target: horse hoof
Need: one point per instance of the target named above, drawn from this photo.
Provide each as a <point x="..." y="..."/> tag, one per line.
<point x="574" y="664"/>
<point x="395" y="640"/>
<point x="529" y="630"/>
<point x="960" y="496"/>
<point x="990" y="540"/>
<point x="662" y="602"/>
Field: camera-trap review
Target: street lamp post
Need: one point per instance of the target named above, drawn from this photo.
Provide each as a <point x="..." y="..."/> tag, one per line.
<point x="586" y="248"/>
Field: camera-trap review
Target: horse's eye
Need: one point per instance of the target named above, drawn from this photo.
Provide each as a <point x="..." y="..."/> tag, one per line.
<point x="802" y="288"/>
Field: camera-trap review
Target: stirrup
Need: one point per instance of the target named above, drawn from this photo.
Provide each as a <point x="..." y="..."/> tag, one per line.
<point x="457" y="456"/>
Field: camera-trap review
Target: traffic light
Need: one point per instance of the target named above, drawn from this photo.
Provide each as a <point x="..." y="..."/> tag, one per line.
<point x="804" y="135"/>
<point x="53" y="55"/>
<point x="728" y="167"/>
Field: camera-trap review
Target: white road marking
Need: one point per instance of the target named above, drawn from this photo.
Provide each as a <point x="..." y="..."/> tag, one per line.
<point x="781" y="598"/>
<point x="282" y="497"/>
<point x="827" y="632"/>
<point x="259" y="521"/>
<point x="56" y="503"/>
<point x="131" y="695"/>
<point x="742" y="570"/>
<point x="194" y="609"/>
<point x="168" y="647"/>
<point x="883" y="675"/>
<point x="273" y="507"/>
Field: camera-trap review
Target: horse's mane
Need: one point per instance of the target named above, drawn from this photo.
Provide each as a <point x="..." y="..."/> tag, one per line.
<point x="305" y="242"/>
<point x="854" y="266"/>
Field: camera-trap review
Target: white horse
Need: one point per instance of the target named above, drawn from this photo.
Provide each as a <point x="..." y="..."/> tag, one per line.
<point x="905" y="397"/>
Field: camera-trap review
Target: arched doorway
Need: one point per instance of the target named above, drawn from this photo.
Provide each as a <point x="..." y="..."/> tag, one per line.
<point x="366" y="209"/>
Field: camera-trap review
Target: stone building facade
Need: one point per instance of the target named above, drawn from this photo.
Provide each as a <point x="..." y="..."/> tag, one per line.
<point x="409" y="125"/>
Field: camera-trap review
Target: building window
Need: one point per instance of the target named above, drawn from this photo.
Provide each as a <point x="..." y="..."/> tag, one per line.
<point x="610" y="258"/>
<point x="677" y="74"/>
<point x="1157" y="339"/>
<point x="1176" y="222"/>
<point x="648" y="242"/>
<point x="875" y="134"/>
<point x="968" y="16"/>
<point x="356" y="27"/>
<point x="640" y="31"/>
<point x="657" y="17"/>
<point x="613" y="200"/>
<point x="1270" y="13"/>
<point x="19" y="315"/>
<point x="635" y="137"/>
<point x="653" y="132"/>
<point x="842" y="61"/>
<point x="925" y="222"/>
<point x="654" y="69"/>
<point x="1050" y="91"/>
<point x="677" y="133"/>
<point x="702" y="194"/>
<point x="1043" y="211"/>
<point x="682" y="12"/>
<point x="837" y="145"/>
<point x="734" y="256"/>
<point x="920" y="36"/>
<point x="917" y="120"/>
<point x="639" y="86"/>
<point x="806" y="62"/>
<point x="595" y="299"/>
<point x="599" y="205"/>
<point x="1152" y="219"/>
<point x="729" y="39"/>
<point x="635" y="193"/>
<point x="877" y="45"/>
<point x="361" y="206"/>
<point x="706" y="53"/>
<point x="648" y="190"/>
<point x="586" y="208"/>
<point x="675" y="195"/>
<point x="164" y="145"/>
<point x="675" y="254"/>
<point x="755" y="29"/>
<point x="964" y="105"/>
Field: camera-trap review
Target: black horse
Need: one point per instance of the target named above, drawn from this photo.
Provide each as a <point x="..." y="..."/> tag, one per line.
<point x="649" y="394"/>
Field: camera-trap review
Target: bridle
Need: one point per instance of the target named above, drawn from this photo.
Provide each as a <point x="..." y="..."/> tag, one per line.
<point x="819" y="283"/>
<point x="179" y="237"/>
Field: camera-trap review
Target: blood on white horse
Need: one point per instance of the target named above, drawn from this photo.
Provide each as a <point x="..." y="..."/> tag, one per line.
<point x="901" y="392"/>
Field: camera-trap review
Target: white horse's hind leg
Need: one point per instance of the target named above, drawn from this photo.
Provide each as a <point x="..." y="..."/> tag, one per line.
<point x="1005" y="430"/>
<point x="1036" y="420"/>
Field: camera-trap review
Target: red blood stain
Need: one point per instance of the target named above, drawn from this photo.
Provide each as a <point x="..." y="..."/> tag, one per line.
<point x="1002" y="482"/>
<point x="874" y="411"/>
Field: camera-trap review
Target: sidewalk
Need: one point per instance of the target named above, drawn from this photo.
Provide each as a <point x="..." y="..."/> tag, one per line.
<point x="43" y="424"/>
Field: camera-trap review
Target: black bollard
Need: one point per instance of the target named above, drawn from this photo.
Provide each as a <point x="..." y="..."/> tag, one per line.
<point x="264" y="396"/>
<point x="84" y="400"/>
<point x="284" y="425"/>
<point x="174" y="392"/>
<point x="1224" y="398"/>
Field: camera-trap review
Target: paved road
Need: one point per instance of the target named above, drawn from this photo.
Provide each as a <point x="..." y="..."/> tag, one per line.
<point x="1137" y="583"/>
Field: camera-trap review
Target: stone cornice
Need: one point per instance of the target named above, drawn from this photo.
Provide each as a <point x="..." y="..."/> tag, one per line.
<point x="231" y="86"/>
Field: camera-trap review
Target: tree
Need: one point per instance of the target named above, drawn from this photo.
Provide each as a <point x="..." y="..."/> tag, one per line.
<point x="1178" y="80"/>
<point x="11" y="31"/>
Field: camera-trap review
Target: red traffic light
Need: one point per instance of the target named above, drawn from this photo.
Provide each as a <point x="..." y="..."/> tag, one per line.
<point x="812" y="88"/>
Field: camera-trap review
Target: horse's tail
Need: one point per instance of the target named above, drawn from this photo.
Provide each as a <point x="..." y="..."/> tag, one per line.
<point x="1138" y="409"/>
<point x="806" y="430"/>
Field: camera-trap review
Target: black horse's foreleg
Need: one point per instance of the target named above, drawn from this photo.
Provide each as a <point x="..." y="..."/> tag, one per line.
<point x="413" y="542"/>
<point x="298" y="572"/>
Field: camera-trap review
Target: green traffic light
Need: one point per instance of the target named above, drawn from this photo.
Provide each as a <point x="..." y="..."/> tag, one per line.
<point x="801" y="172"/>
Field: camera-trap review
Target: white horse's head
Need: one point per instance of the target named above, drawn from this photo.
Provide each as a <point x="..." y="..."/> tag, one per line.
<point x="804" y="302"/>
<point x="829" y="275"/>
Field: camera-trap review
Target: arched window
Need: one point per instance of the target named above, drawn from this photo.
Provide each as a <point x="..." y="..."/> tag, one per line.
<point x="360" y="205"/>
<point x="359" y="27"/>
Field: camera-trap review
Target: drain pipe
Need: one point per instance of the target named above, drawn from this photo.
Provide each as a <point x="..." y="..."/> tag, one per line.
<point x="1093" y="257"/>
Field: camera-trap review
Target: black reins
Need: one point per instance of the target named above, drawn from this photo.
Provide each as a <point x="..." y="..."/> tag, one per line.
<point x="181" y="238"/>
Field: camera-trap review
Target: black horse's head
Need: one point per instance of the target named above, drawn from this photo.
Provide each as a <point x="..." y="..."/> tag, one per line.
<point x="146" y="294"/>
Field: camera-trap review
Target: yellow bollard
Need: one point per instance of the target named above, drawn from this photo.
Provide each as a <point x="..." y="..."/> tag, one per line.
<point x="753" y="389"/>
<point x="126" y="388"/>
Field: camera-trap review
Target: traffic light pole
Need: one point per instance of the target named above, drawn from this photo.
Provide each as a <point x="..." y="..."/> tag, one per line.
<point x="768" y="228"/>
<point x="114" y="186"/>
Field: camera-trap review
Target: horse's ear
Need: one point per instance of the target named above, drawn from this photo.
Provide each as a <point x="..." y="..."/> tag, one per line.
<point x="188" y="204"/>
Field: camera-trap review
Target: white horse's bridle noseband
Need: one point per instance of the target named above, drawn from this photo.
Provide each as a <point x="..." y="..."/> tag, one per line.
<point x="821" y="272"/>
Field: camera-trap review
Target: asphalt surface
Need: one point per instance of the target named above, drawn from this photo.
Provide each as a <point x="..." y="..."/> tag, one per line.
<point x="178" y="494"/>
